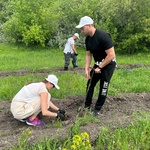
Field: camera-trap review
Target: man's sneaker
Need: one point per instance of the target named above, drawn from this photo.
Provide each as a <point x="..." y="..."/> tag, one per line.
<point x="35" y="122"/>
<point x="96" y="112"/>
<point x="65" y="68"/>
<point x="87" y="107"/>
<point x="75" y="66"/>
<point x="23" y="120"/>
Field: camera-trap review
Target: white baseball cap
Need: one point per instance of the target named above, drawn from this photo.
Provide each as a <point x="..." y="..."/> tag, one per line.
<point x="84" y="21"/>
<point x="77" y="35"/>
<point x="53" y="79"/>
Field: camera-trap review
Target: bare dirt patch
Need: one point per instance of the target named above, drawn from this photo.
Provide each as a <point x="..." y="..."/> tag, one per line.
<point x="115" y="112"/>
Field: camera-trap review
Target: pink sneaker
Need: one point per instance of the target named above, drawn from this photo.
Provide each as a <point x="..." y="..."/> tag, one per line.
<point x="35" y="122"/>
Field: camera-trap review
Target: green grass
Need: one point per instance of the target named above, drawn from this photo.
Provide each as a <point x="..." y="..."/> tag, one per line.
<point x="130" y="81"/>
<point x="14" y="58"/>
<point x="139" y="58"/>
<point x="18" y="57"/>
<point x="71" y="83"/>
<point x="136" y="136"/>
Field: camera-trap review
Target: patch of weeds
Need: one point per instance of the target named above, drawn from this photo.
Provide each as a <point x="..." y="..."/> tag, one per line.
<point x="23" y="140"/>
<point x="47" y="144"/>
<point x="55" y="124"/>
<point x="87" y="118"/>
<point x="134" y="136"/>
<point x="82" y="121"/>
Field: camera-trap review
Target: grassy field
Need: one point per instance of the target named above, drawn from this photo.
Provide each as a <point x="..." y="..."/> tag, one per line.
<point x="33" y="60"/>
<point x="135" y="136"/>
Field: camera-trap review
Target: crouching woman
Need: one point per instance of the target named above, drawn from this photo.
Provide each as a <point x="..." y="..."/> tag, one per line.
<point x="34" y="98"/>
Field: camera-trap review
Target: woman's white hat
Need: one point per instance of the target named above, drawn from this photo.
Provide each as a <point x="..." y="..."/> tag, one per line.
<point x="53" y="79"/>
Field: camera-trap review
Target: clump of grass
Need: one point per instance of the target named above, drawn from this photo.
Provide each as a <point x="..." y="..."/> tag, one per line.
<point x="47" y="144"/>
<point x="23" y="140"/>
<point x="82" y="121"/>
<point x="55" y="124"/>
<point x="135" y="136"/>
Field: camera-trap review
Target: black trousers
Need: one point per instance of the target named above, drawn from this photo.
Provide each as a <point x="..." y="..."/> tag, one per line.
<point x="104" y="78"/>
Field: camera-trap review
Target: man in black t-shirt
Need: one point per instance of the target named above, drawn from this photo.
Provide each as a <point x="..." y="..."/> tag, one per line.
<point x="100" y="46"/>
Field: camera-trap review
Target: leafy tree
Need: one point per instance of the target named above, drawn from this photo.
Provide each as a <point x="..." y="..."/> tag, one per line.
<point x="5" y="11"/>
<point x="32" y="22"/>
<point x="72" y="12"/>
<point x="53" y="21"/>
<point x="133" y="25"/>
<point x="128" y="22"/>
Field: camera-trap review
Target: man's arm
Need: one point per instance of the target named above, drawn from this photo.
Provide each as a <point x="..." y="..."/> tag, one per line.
<point x="110" y="56"/>
<point x="73" y="47"/>
<point x="88" y="60"/>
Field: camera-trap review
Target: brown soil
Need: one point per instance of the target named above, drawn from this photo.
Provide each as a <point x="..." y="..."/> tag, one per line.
<point x="115" y="112"/>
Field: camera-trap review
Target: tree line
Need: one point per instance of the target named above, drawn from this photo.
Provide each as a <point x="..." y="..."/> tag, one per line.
<point x="51" y="22"/>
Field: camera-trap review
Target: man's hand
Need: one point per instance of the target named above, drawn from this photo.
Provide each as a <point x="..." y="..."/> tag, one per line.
<point x="97" y="70"/>
<point x="76" y="54"/>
